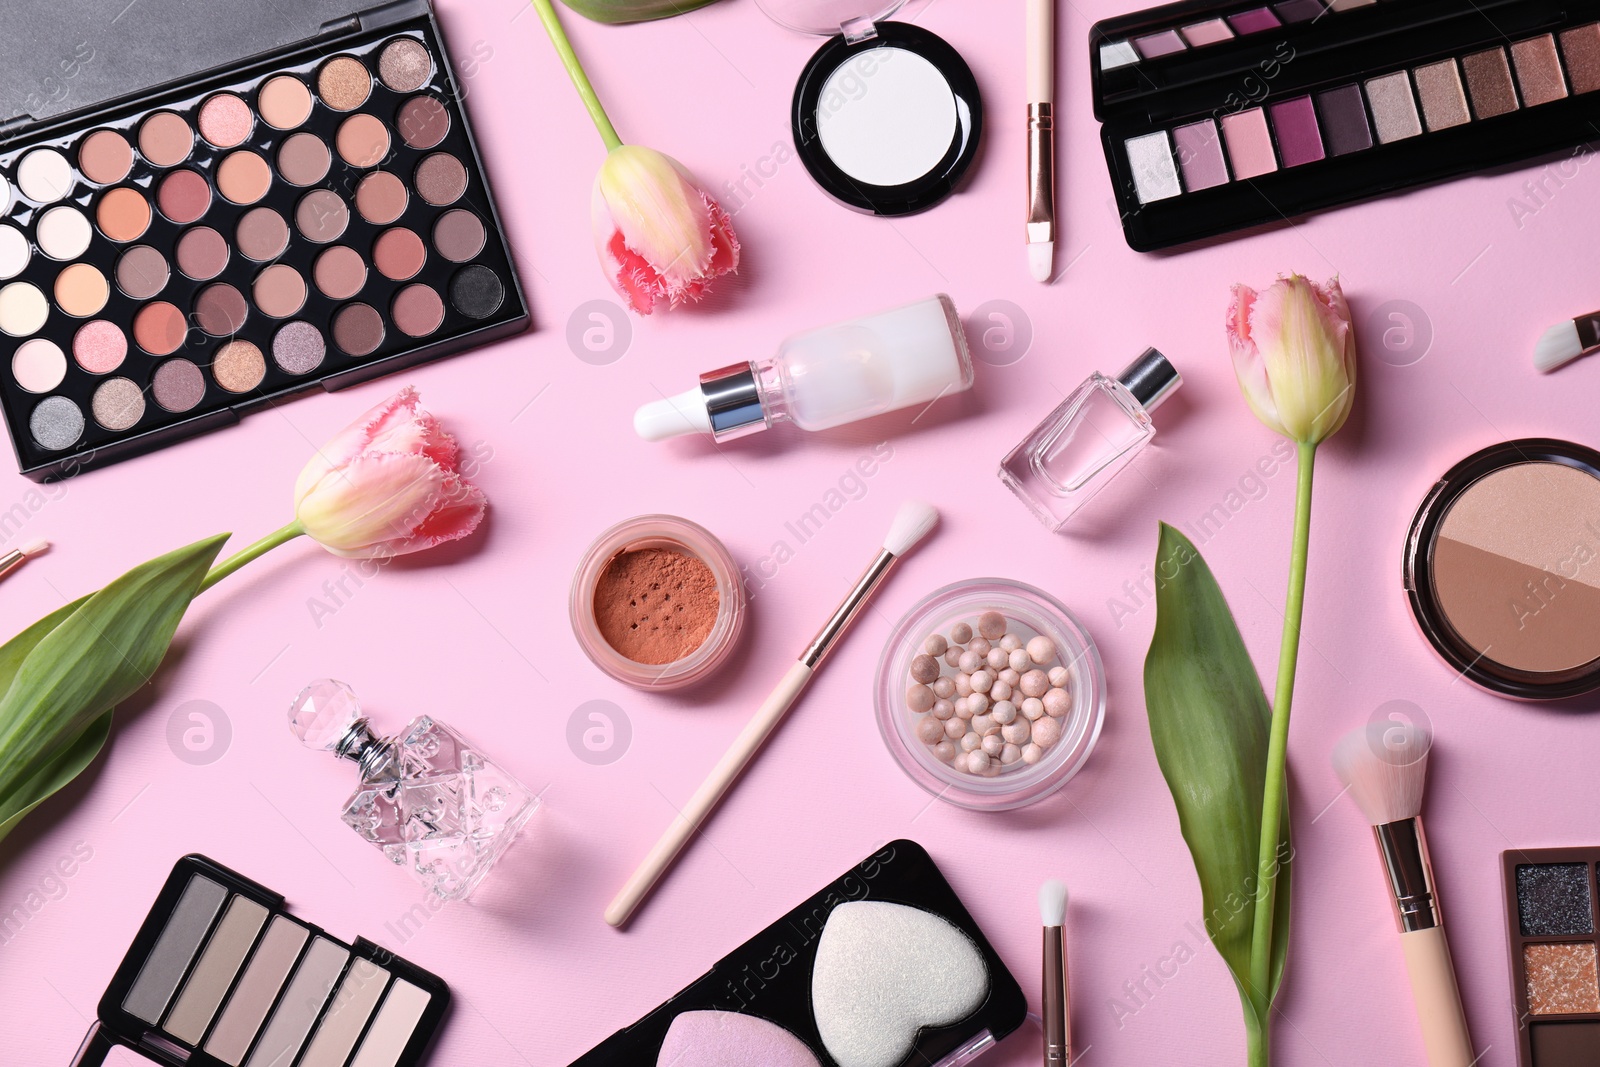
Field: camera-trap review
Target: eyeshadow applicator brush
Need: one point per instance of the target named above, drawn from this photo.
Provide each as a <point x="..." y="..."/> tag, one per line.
<point x="1385" y="767"/>
<point x="1566" y="341"/>
<point x="911" y="524"/>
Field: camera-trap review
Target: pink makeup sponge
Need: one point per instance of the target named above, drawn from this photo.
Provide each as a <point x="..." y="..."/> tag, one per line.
<point x="729" y="1039"/>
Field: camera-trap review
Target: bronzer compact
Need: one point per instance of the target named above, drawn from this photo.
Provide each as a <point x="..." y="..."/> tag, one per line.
<point x="220" y="975"/>
<point x="1218" y="115"/>
<point x="1502" y="568"/>
<point x="177" y="249"/>
<point x="886" y="116"/>
<point x="882" y="968"/>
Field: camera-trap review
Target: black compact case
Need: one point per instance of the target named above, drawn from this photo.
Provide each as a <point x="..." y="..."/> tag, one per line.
<point x="175" y="954"/>
<point x="83" y="72"/>
<point x="1481" y="83"/>
<point x="769" y="977"/>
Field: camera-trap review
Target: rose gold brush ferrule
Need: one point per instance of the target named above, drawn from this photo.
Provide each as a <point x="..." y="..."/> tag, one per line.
<point x="11" y="561"/>
<point x="847" y="610"/>
<point x="1404" y="848"/>
<point x="1041" y="174"/>
<point x="1057" y="1021"/>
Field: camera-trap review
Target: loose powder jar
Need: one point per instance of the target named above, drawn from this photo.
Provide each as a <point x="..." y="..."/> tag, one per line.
<point x="1502" y="569"/>
<point x="657" y="602"/>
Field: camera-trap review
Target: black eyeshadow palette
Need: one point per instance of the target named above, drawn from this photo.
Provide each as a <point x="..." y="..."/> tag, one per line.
<point x="303" y="219"/>
<point x="883" y="966"/>
<point x="1551" y="926"/>
<point x="1223" y="116"/>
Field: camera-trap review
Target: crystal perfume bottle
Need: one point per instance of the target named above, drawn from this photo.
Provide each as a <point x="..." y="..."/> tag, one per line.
<point x="428" y="797"/>
<point x="1093" y="434"/>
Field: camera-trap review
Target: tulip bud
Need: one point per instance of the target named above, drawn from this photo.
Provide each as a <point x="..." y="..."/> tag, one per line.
<point x="1294" y="353"/>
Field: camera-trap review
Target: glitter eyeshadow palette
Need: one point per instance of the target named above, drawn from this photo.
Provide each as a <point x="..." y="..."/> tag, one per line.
<point x="1551" y="924"/>
<point x="882" y="968"/>
<point x="1220" y="116"/>
<point x="309" y="217"/>
<point x="220" y="975"/>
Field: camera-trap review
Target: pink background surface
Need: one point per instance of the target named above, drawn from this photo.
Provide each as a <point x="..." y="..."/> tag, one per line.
<point x="478" y="633"/>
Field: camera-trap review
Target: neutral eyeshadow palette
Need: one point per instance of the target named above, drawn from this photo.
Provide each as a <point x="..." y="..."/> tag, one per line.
<point x="882" y="968"/>
<point x="309" y="218"/>
<point x="1550" y="924"/>
<point x="1221" y="116"/>
<point x="219" y="975"/>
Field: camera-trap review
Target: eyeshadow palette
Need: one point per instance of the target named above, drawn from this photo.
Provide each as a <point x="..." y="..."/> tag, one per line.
<point x="219" y="975"/>
<point x="306" y="219"/>
<point x="1551" y="924"/>
<point x="1221" y="116"/>
<point x="882" y="968"/>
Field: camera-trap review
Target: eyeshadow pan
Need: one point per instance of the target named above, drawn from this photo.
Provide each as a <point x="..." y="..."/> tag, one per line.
<point x="159" y="328"/>
<point x="381" y="198"/>
<point x="225" y="952"/>
<point x="299" y="348"/>
<point x="262" y="234"/>
<point x="441" y="179"/>
<point x="202" y="253"/>
<point x="404" y="65"/>
<point x="1489" y="81"/>
<point x="285" y="102"/>
<point x="417" y="311"/>
<point x="220" y="310"/>
<point x="1159" y="44"/>
<point x="1249" y="143"/>
<point x="1394" y="109"/>
<point x="340" y="272"/>
<point x="123" y="214"/>
<point x="105" y="157"/>
<point x="1155" y="177"/>
<point x="165" y="139"/>
<point x="1553" y="899"/>
<point x="118" y="404"/>
<point x="280" y="291"/>
<point x="477" y="292"/>
<point x="398" y="254"/>
<point x="1538" y="70"/>
<point x="1210" y="31"/>
<point x="391" y="1031"/>
<point x="1344" y="120"/>
<point x="39" y="365"/>
<point x="1444" y="101"/>
<point x="142" y="272"/>
<point x="58" y="423"/>
<point x="178" y="385"/>
<point x="352" y="1006"/>
<point x="362" y="140"/>
<point x="202" y="898"/>
<point x="184" y="196"/>
<point x="44" y="176"/>
<point x="63" y="233"/>
<point x="304" y="159"/>
<point x="1346" y="5"/>
<point x="23" y="309"/>
<point x="1114" y="54"/>
<point x="243" y="177"/>
<point x="1300" y="10"/>
<point x="15" y="252"/>
<point x="1581" y="46"/>
<point x="1299" y="139"/>
<point x="358" y="329"/>
<point x="459" y="235"/>
<point x="225" y="120"/>
<point x="321" y="216"/>
<point x="300" y="1005"/>
<point x="81" y="290"/>
<point x="257" y="989"/>
<point x="1561" y="978"/>
<point x="1199" y="154"/>
<point x="99" y="347"/>
<point x="344" y="83"/>
<point x="1256" y="20"/>
<point x="238" y="366"/>
<point x="423" y="122"/>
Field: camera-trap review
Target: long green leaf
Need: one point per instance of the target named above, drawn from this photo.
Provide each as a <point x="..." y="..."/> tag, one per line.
<point x="62" y="768"/>
<point x="1209" y="721"/>
<point x="617" y="11"/>
<point x="94" y="657"/>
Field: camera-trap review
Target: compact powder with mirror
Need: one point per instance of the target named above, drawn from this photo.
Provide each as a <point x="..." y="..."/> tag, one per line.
<point x="886" y="116"/>
<point x="1502" y="568"/>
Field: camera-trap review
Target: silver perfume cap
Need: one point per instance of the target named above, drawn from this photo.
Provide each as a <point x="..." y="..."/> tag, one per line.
<point x="1151" y="379"/>
<point x="726" y="404"/>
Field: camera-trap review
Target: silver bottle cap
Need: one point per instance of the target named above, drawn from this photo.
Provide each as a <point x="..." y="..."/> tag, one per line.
<point x="1151" y="379"/>
<point x="733" y="402"/>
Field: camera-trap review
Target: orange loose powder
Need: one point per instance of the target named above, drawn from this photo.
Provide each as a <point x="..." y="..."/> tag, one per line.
<point x="656" y="605"/>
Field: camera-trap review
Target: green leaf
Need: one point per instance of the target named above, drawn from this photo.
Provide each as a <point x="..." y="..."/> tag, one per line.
<point x="84" y="659"/>
<point x="615" y="11"/>
<point x="1209" y="722"/>
<point x="62" y="768"/>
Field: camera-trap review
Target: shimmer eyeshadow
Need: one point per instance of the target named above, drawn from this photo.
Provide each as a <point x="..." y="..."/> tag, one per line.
<point x="1489" y="82"/>
<point x="1550" y="927"/>
<point x="404" y="65"/>
<point x="1394" y="108"/>
<point x="1562" y="978"/>
<point x="1553" y="899"/>
<point x="1154" y="174"/>
<point x="344" y="83"/>
<point x="118" y="404"/>
<point x="1444" y="100"/>
<point x="1538" y="70"/>
<point x="1581" y="47"/>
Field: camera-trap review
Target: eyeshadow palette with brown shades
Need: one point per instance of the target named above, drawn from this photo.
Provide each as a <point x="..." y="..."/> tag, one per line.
<point x="1551" y="924"/>
<point x="309" y="218"/>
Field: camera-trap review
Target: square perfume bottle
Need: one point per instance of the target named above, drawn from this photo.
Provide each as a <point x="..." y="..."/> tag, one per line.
<point x="428" y="798"/>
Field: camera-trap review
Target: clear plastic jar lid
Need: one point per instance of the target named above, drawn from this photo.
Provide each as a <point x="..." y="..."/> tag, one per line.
<point x="827" y="17"/>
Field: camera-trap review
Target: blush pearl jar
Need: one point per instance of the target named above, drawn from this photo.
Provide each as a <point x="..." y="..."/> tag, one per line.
<point x="1028" y="614"/>
<point x="648" y="535"/>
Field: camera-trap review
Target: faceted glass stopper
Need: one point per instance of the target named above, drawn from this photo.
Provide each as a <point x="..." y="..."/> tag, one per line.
<point x="322" y="713"/>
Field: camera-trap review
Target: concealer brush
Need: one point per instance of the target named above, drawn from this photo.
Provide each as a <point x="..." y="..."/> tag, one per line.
<point x="911" y="524"/>
<point x="1566" y="341"/>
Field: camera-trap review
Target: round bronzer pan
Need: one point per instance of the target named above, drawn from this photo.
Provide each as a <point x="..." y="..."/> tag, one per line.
<point x="1502" y="568"/>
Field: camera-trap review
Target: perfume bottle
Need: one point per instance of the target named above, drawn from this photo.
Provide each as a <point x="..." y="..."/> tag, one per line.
<point x="827" y="377"/>
<point x="428" y="797"/>
<point x="1093" y="434"/>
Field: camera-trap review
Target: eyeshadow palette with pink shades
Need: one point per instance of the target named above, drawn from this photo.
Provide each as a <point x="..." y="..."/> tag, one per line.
<point x="1225" y="116"/>
<point x="312" y="217"/>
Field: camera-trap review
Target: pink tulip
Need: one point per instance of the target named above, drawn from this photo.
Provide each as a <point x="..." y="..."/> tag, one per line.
<point x="660" y="236"/>
<point x="1294" y="353"/>
<point x="389" y="484"/>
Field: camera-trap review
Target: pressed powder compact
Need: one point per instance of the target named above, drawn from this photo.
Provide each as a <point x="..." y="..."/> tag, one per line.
<point x="1550" y="926"/>
<point x="886" y="116"/>
<point x="1502" y="568"/>
<point x="883" y="967"/>
<point x="308" y="212"/>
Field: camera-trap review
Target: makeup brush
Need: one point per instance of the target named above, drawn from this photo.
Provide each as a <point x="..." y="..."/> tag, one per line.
<point x="911" y="524"/>
<point x="10" y="561"/>
<point x="1566" y="341"/>
<point x="1041" y="139"/>
<point x="1056" y="999"/>
<point x="1385" y="767"/>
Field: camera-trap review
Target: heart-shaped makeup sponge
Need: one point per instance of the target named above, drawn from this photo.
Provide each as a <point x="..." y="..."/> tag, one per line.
<point x="885" y="971"/>
<point x="730" y="1039"/>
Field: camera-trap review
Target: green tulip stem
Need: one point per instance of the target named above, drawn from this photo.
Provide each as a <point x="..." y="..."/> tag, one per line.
<point x="580" y="80"/>
<point x="1267" y="860"/>
<point x="250" y="552"/>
